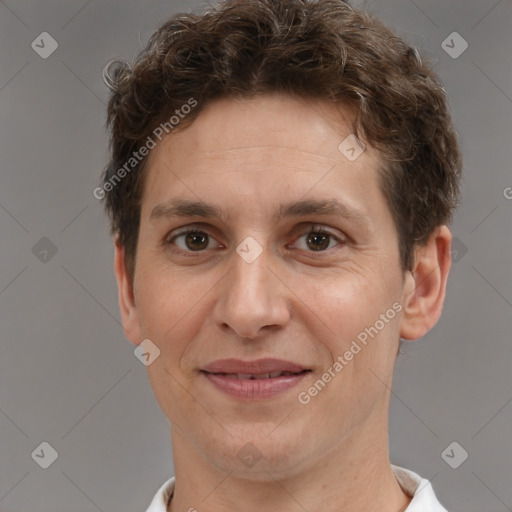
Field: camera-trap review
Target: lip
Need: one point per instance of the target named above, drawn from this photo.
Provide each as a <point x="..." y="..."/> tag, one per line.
<point x="265" y="365"/>
<point x="220" y="375"/>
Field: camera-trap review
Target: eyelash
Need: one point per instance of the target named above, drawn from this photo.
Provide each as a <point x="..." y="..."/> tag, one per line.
<point x="313" y="229"/>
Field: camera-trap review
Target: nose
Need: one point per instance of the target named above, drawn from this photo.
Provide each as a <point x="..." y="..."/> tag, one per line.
<point x="253" y="300"/>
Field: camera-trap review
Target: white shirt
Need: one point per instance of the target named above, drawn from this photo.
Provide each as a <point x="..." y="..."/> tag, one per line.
<point x="420" y="489"/>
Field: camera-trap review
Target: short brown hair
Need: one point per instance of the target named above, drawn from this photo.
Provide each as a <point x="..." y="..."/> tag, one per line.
<point x="322" y="49"/>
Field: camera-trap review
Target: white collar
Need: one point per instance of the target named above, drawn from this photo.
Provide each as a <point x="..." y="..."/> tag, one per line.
<point x="420" y="489"/>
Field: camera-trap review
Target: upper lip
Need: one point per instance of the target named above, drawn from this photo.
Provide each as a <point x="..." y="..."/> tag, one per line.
<point x="265" y="365"/>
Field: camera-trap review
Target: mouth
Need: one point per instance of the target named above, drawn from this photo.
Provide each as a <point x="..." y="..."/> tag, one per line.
<point x="258" y="376"/>
<point x="263" y="378"/>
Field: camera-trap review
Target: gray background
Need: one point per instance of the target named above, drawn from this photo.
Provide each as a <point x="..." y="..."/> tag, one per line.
<point x="68" y="376"/>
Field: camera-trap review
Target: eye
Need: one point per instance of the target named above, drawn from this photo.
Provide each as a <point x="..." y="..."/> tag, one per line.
<point x="193" y="240"/>
<point x="318" y="239"/>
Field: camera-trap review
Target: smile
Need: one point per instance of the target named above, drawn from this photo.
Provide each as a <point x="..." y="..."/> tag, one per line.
<point x="254" y="386"/>
<point x="253" y="376"/>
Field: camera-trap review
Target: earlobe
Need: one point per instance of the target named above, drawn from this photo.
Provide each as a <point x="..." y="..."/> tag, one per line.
<point x="128" y="309"/>
<point x="425" y="286"/>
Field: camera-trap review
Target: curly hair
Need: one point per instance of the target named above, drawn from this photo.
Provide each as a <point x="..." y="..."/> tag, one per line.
<point x="322" y="49"/>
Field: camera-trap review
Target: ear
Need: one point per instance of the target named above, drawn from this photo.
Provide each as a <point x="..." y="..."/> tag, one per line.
<point x="129" y="315"/>
<point x="425" y="285"/>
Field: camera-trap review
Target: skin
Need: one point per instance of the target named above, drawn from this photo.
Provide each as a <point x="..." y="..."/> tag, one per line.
<point x="248" y="157"/>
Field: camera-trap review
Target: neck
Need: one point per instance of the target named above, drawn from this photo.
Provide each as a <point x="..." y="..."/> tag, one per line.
<point x="354" y="476"/>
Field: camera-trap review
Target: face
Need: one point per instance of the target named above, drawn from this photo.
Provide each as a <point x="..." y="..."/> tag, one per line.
<point x="293" y="266"/>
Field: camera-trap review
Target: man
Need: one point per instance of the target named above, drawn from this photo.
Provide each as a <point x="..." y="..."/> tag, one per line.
<point x="281" y="180"/>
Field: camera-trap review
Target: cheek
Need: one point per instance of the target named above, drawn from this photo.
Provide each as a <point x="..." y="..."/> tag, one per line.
<point x="168" y="304"/>
<point x="171" y="308"/>
<point x="342" y="301"/>
<point x="354" y="312"/>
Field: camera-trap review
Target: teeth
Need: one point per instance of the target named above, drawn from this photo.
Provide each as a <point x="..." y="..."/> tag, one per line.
<point x="261" y="375"/>
<point x="257" y="376"/>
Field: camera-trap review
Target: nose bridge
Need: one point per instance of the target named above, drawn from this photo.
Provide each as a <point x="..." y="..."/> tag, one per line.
<point x="250" y="278"/>
<point x="250" y="297"/>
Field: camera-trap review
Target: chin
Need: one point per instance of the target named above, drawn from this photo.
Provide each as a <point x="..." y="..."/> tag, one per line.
<point x="257" y="455"/>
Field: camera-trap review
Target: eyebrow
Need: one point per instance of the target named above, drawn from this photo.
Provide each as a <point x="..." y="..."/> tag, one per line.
<point x="188" y="208"/>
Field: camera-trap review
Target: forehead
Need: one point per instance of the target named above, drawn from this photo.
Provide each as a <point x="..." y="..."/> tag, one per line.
<point x="274" y="120"/>
<point x="260" y="149"/>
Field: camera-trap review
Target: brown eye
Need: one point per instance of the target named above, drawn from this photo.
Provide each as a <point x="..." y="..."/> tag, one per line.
<point x="318" y="241"/>
<point x="192" y="240"/>
<point x="196" y="241"/>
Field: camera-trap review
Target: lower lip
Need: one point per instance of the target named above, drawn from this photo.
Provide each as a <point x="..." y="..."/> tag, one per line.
<point x="254" y="388"/>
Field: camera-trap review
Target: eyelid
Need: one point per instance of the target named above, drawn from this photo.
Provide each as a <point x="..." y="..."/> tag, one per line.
<point x="320" y="228"/>
<point x="303" y="229"/>
<point x="190" y="228"/>
<point x="168" y="240"/>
